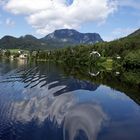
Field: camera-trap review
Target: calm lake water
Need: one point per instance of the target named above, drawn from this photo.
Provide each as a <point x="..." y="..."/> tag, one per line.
<point x="46" y="102"/>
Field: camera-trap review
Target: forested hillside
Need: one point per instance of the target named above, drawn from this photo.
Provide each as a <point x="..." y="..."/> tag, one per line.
<point x="127" y="49"/>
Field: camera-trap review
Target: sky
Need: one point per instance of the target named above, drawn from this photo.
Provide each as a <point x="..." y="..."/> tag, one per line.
<point x="112" y="19"/>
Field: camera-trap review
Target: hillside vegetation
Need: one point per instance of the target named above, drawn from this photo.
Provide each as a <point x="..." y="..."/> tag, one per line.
<point x="122" y="52"/>
<point x="127" y="49"/>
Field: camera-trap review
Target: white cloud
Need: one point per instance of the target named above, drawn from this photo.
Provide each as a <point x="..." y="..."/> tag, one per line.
<point x="9" y="22"/>
<point x="48" y="15"/>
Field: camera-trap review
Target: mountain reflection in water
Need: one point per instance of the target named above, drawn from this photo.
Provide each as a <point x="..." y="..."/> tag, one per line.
<point x="39" y="102"/>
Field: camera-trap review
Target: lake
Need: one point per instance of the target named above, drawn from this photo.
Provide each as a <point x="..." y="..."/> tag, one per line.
<point x="47" y="101"/>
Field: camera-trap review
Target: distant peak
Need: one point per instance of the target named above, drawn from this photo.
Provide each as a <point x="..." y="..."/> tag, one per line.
<point x="8" y="37"/>
<point x="72" y="36"/>
<point x="28" y="37"/>
<point x="65" y="30"/>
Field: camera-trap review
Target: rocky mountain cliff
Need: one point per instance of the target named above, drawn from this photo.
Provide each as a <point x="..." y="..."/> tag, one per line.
<point x="57" y="39"/>
<point x="73" y="37"/>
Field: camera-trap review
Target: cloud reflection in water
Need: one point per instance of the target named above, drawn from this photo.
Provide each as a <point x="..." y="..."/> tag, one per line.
<point x="43" y="97"/>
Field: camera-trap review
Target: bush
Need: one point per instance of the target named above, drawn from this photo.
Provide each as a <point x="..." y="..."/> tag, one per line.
<point x="132" y="59"/>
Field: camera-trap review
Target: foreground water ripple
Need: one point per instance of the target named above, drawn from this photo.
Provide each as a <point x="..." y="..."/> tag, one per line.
<point x="40" y="102"/>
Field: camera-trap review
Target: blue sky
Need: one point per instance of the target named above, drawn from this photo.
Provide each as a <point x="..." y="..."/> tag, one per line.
<point x="110" y="20"/>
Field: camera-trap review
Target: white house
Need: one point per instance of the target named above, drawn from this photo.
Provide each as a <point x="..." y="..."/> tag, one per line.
<point x="95" y="53"/>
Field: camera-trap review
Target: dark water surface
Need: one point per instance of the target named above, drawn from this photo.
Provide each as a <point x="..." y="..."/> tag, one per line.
<point x="41" y="102"/>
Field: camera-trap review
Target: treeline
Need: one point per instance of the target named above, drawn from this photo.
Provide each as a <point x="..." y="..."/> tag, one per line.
<point x="125" y="52"/>
<point x="127" y="81"/>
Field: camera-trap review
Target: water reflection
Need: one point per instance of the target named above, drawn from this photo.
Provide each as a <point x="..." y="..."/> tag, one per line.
<point x="39" y="102"/>
<point x="83" y="118"/>
<point x="40" y="77"/>
<point x="42" y="93"/>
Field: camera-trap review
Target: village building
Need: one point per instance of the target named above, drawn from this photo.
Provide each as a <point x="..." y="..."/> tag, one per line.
<point x="95" y="53"/>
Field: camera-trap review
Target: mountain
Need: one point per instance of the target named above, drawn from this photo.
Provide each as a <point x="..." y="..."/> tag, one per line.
<point x="23" y="42"/>
<point x="71" y="37"/>
<point x="136" y="33"/>
<point x="57" y="39"/>
<point x="28" y="37"/>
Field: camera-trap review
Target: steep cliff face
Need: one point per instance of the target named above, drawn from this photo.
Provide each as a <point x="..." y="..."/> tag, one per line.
<point x="73" y="37"/>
